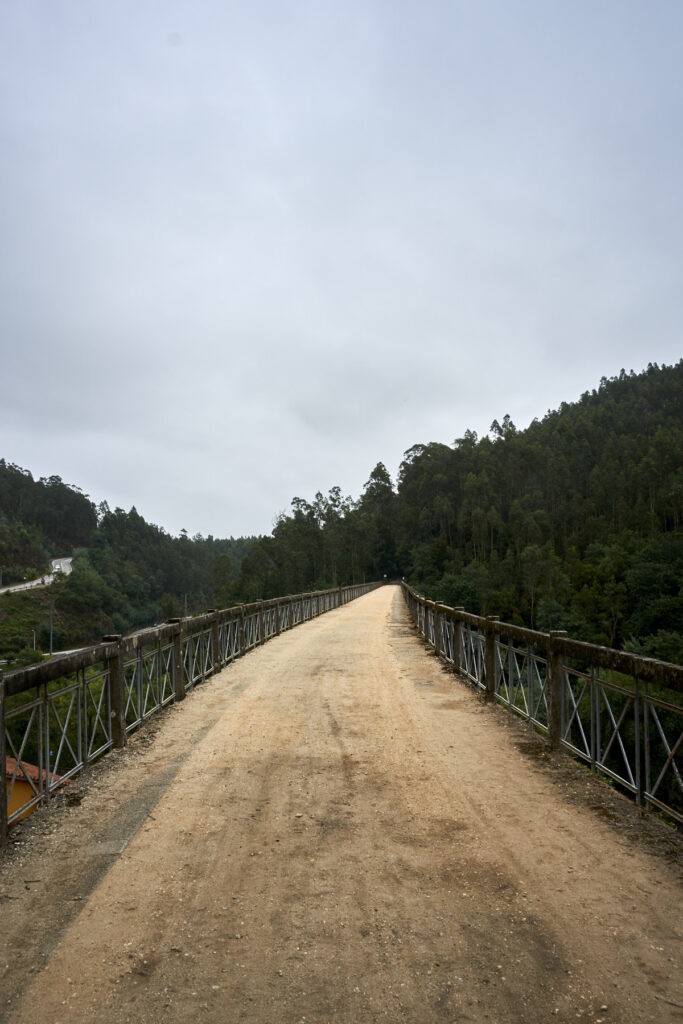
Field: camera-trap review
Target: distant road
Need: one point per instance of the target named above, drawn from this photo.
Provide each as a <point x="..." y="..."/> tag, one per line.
<point x="59" y="566"/>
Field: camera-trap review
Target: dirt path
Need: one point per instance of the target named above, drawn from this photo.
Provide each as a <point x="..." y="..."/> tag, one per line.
<point x="335" y="830"/>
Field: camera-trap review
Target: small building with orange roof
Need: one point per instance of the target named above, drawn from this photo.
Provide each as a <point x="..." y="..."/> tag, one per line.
<point x="24" y="782"/>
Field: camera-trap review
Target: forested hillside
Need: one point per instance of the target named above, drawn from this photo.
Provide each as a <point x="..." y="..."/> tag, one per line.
<point x="575" y="522"/>
<point x="126" y="572"/>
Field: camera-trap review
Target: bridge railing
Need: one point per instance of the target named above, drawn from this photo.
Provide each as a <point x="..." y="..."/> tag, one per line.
<point x="59" y="716"/>
<point x="620" y="713"/>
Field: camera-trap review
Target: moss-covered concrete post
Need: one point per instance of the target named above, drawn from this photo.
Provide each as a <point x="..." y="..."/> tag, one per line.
<point x="177" y="680"/>
<point x="491" y="660"/>
<point x="216" y="660"/>
<point x="457" y="640"/>
<point x="438" y="631"/>
<point x="117" y="690"/>
<point x="241" y="640"/>
<point x="555" y="684"/>
<point x="3" y="765"/>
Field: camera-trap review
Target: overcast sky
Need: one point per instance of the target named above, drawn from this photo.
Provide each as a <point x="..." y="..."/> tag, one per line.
<point x="248" y="250"/>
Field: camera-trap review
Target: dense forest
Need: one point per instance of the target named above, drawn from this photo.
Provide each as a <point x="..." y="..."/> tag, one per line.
<point x="575" y="522"/>
<point x="126" y="572"/>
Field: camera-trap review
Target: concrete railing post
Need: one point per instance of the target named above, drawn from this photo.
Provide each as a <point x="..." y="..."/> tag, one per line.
<point x="457" y="641"/>
<point x="3" y="766"/>
<point x="117" y="691"/>
<point x="278" y="621"/>
<point x="216" y="659"/>
<point x="555" y="684"/>
<point x="261" y="624"/>
<point x="177" y="680"/>
<point x="491" y="660"/>
<point x="241" y="641"/>
<point x="438" y="630"/>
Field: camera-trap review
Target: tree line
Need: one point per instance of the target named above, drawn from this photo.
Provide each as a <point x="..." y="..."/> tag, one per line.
<point x="573" y="523"/>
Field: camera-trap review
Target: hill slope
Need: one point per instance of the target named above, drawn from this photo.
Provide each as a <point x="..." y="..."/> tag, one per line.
<point x="574" y="523"/>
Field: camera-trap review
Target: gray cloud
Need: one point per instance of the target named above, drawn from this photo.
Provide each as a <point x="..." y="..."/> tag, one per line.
<point x="247" y="252"/>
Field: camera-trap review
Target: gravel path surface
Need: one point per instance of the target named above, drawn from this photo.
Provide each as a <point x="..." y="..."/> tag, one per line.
<point x="334" y="829"/>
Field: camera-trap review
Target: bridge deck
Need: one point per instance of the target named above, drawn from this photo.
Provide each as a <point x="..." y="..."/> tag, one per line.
<point x="333" y="829"/>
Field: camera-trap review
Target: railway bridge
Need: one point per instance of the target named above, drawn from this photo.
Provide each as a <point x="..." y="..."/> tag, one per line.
<point x="346" y="825"/>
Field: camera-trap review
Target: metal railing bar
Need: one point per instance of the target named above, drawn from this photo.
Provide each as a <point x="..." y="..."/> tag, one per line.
<point x="579" y="710"/>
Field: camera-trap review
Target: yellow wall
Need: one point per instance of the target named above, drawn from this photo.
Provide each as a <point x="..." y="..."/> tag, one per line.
<point x="22" y="792"/>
